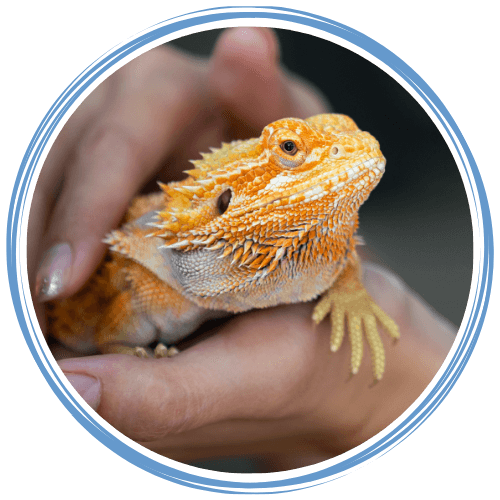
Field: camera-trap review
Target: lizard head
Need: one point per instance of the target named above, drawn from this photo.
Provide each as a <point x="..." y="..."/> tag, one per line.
<point x="259" y="199"/>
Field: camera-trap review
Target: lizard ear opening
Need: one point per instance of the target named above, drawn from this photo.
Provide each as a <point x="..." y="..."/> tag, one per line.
<point x="224" y="200"/>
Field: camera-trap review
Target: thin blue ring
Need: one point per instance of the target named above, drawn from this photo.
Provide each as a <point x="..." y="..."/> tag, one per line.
<point x="479" y="203"/>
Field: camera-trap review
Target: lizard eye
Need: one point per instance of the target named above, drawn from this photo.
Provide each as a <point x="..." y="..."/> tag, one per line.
<point x="224" y="200"/>
<point x="286" y="147"/>
<point x="289" y="147"/>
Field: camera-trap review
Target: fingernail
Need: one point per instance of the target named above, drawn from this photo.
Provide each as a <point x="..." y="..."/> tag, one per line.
<point x="54" y="271"/>
<point x="88" y="387"/>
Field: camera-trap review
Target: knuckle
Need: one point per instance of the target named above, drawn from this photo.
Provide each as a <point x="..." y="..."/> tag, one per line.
<point x="111" y="147"/>
<point x="172" y="408"/>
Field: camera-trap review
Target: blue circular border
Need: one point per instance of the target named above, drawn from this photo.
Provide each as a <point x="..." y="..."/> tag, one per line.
<point x="479" y="204"/>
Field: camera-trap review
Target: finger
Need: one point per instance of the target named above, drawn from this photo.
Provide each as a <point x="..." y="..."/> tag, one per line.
<point x="49" y="184"/>
<point x="95" y="195"/>
<point x="248" y="81"/>
<point x="245" y="371"/>
<point x="412" y="315"/>
<point x="121" y="151"/>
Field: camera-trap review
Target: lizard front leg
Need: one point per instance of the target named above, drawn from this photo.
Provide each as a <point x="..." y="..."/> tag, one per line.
<point x="123" y="307"/>
<point x="145" y="309"/>
<point x="348" y="298"/>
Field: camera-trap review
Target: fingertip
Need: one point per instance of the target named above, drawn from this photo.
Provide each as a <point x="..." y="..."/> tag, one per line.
<point x="141" y="398"/>
<point x="97" y="190"/>
<point x="65" y="267"/>
<point x="88" y="387"/>
<point x="244" y="76"/>
<point x="254" y="45"/>
<point x="249" y="82"/>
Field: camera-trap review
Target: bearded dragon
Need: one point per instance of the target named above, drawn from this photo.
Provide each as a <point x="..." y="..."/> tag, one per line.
<point x="257" y="223"/>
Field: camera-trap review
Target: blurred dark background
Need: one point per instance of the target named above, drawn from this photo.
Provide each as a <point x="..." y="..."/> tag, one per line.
<point x="417" y="221"/>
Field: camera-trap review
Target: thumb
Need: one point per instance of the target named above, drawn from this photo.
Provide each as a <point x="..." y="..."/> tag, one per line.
<point x="249" y="84"/>
<point x="258" y="365"/>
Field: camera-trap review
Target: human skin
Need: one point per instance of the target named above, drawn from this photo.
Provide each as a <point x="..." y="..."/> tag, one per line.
<point x="266" y="383"/>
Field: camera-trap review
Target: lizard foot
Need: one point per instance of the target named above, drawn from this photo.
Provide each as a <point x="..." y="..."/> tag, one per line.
<point x="349" y="299"/>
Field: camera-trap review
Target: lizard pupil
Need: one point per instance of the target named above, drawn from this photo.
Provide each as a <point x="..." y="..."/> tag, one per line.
<point x="289" y="147"/>
<point x="224" y="200"/>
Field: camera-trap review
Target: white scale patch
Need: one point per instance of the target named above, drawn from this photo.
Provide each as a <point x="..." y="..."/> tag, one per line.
<point x="314" y="155"/>
<point x="279" y="179"/>
<point x="280" y="182"/>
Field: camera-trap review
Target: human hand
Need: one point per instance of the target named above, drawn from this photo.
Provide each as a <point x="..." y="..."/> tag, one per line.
<point x="144" y="122"/>
<point x="267" y="380"/>
<point x="267" y="384"/>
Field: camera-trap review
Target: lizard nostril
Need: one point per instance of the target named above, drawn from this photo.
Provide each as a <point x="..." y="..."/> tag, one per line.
<point x="335" y="150"/>
<point x="224" y="200"/>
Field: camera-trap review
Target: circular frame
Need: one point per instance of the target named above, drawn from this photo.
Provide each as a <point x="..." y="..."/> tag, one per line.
<point x="480" y="292"/>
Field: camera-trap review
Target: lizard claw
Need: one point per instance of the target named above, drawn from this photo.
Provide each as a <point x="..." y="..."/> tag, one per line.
<point x="161" y="351"/>
<point x="140" y="352"/>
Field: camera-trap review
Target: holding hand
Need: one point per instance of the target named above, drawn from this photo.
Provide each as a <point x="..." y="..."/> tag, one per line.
<point x="267" y="382"/>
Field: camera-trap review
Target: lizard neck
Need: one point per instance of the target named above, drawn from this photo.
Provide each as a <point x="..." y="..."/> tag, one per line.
<point x="303" y="272"/>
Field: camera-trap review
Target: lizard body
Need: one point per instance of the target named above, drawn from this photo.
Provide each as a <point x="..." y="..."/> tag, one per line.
<point x="256" y="223"/>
